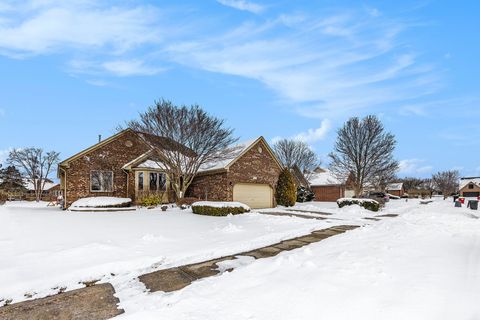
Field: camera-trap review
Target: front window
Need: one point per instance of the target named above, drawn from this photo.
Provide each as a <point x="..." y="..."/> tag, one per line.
<point x="470" y="186"/>
<point x="158" y="181"/>
<point x="153" y="181"/>
<point x="140" y="181"/>
<point x="101" y="181"/>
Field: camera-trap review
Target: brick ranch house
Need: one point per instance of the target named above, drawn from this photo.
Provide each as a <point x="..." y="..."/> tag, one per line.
<point x="327" y="187"/>
<point x="121" y="166"/>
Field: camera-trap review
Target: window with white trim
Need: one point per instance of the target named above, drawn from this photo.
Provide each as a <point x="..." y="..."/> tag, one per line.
<point x="101" y="181"/>
<point x="158" y="181"/>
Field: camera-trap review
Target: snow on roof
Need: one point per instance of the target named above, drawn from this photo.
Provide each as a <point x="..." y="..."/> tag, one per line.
<point x="233" y="153"/>
<point x="466" y="181"/>
<point x="29" y="185"/>
<point x="395" y="186"/>
<point x="324" y="178"/>
<point x="150" y="164"/>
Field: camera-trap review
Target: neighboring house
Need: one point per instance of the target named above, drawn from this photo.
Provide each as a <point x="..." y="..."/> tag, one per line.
<point x="470" y="187"/>
<point x="122" y="166"/>
<point x="299" y="178"/>
<point x="327" y="187"/>
<point x="48" y="193"/>
<point x="395" y="189"/>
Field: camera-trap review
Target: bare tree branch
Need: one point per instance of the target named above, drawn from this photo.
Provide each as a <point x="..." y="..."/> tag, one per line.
<point x="296" y="153"/>
<point x="184" y="139"/>
<point x="446" y="182"/>
<point x="364" y="151"/>
<point x="36" y="166"/>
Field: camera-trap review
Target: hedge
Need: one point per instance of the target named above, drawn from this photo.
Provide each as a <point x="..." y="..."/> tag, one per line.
<point x="368" y="204"/>
<point x="218" y="211"/>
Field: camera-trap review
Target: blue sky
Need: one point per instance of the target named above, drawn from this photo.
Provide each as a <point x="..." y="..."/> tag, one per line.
<point x="70" y="70"/>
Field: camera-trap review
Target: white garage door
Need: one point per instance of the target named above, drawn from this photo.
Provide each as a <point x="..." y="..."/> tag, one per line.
<point x="254" y="195"/>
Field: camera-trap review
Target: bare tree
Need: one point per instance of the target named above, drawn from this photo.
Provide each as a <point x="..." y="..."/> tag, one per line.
<point x="184" y="138"/>
<point x="363" y="151"/>
<point x="412" y="183"/>
<point x="36" y="166"/>
<point x="296" y="153"/>
<point x="446" y="182"/>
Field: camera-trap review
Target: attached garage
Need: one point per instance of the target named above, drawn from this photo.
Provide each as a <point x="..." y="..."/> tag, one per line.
<point x="254" y="195"/>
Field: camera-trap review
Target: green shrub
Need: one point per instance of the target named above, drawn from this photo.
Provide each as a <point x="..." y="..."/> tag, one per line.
<point x="216" y="211"/>
<point x="371" y="205"/>
<point x="152" y="200"/>
<point x="286" y="193"/>
<point x="304" y="194"/>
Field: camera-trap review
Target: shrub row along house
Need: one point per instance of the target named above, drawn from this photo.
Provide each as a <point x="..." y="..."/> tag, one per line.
<point x="124" y="166"/>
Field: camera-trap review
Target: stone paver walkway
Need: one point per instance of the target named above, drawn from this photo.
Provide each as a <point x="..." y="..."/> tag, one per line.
<point x="93" y="303"/>
<point x="176" y="278"/>
<point x="98" y="301"/>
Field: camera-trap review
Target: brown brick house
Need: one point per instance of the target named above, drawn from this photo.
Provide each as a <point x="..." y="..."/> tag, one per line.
<point x="121" y="166"/>
<point x="396" y="189"/>
<point x="327" y="187"/>
<point x="470" y="187"/>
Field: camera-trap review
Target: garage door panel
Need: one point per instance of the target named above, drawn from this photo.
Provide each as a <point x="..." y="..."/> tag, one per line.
<point x="256" y="196"/>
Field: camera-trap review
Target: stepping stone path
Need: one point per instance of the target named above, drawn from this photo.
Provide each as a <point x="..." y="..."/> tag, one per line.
<point x="98" y="301"/>
<point x="95" y="302"/>
<point x="173" y="279"/>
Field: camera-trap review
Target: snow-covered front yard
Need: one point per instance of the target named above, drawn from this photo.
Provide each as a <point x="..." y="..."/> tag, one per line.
<point x="43" y="248"/>
<point x="423" y="264"/>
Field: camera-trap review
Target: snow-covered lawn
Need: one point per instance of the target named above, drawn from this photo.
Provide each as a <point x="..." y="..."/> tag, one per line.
<point x="43" y="248"/>
<point x="424" y="264"/>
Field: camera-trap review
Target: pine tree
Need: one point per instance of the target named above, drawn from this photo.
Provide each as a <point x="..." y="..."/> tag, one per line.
<point x="286" y="191"/>
<point x="11" y="179"/>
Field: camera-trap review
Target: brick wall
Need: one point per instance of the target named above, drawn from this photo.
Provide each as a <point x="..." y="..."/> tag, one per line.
<point x="328" y="193"/>
<point x="109" y="157"/>
<point x="255" y="166"/>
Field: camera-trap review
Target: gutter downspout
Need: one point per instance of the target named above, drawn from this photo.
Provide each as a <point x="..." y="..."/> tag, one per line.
<point x="64" y="187"/>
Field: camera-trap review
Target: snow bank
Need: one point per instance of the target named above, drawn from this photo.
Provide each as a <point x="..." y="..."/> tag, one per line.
<point x="101" y="202"/>
<point x="219" y="204"/>
<point x="359" y="200"/>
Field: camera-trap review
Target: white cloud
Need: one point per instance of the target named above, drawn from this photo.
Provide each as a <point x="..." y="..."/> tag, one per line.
<point x="414" y="167"/>
<point x="242" y="5"/>
<point x="130" y="68"/>
<point x="78" y="25"/>
<point x="314" y="135"/>
<point x="326" y="66"/>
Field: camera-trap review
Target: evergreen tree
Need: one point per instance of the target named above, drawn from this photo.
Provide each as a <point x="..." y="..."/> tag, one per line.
<point x="286" y="191"/>
<point x="11" y="179"/>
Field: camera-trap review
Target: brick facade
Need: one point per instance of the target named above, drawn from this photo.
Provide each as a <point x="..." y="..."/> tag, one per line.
<point x="112" y="156"/>
<point x="328" y="193"/>
<point x="256" y="165"/>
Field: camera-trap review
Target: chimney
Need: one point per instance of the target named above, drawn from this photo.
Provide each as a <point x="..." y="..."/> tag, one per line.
<point x="99" y="138"/>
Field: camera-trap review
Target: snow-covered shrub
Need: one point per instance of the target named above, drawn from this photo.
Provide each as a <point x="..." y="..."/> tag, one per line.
<point x="102" y="202"/>
<point x="151" y="200"/>
<point x="213" y="208"/>
<point x="304" y="194"/>
<point x="368" y="204"/>
<point x="286" y="192"/>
